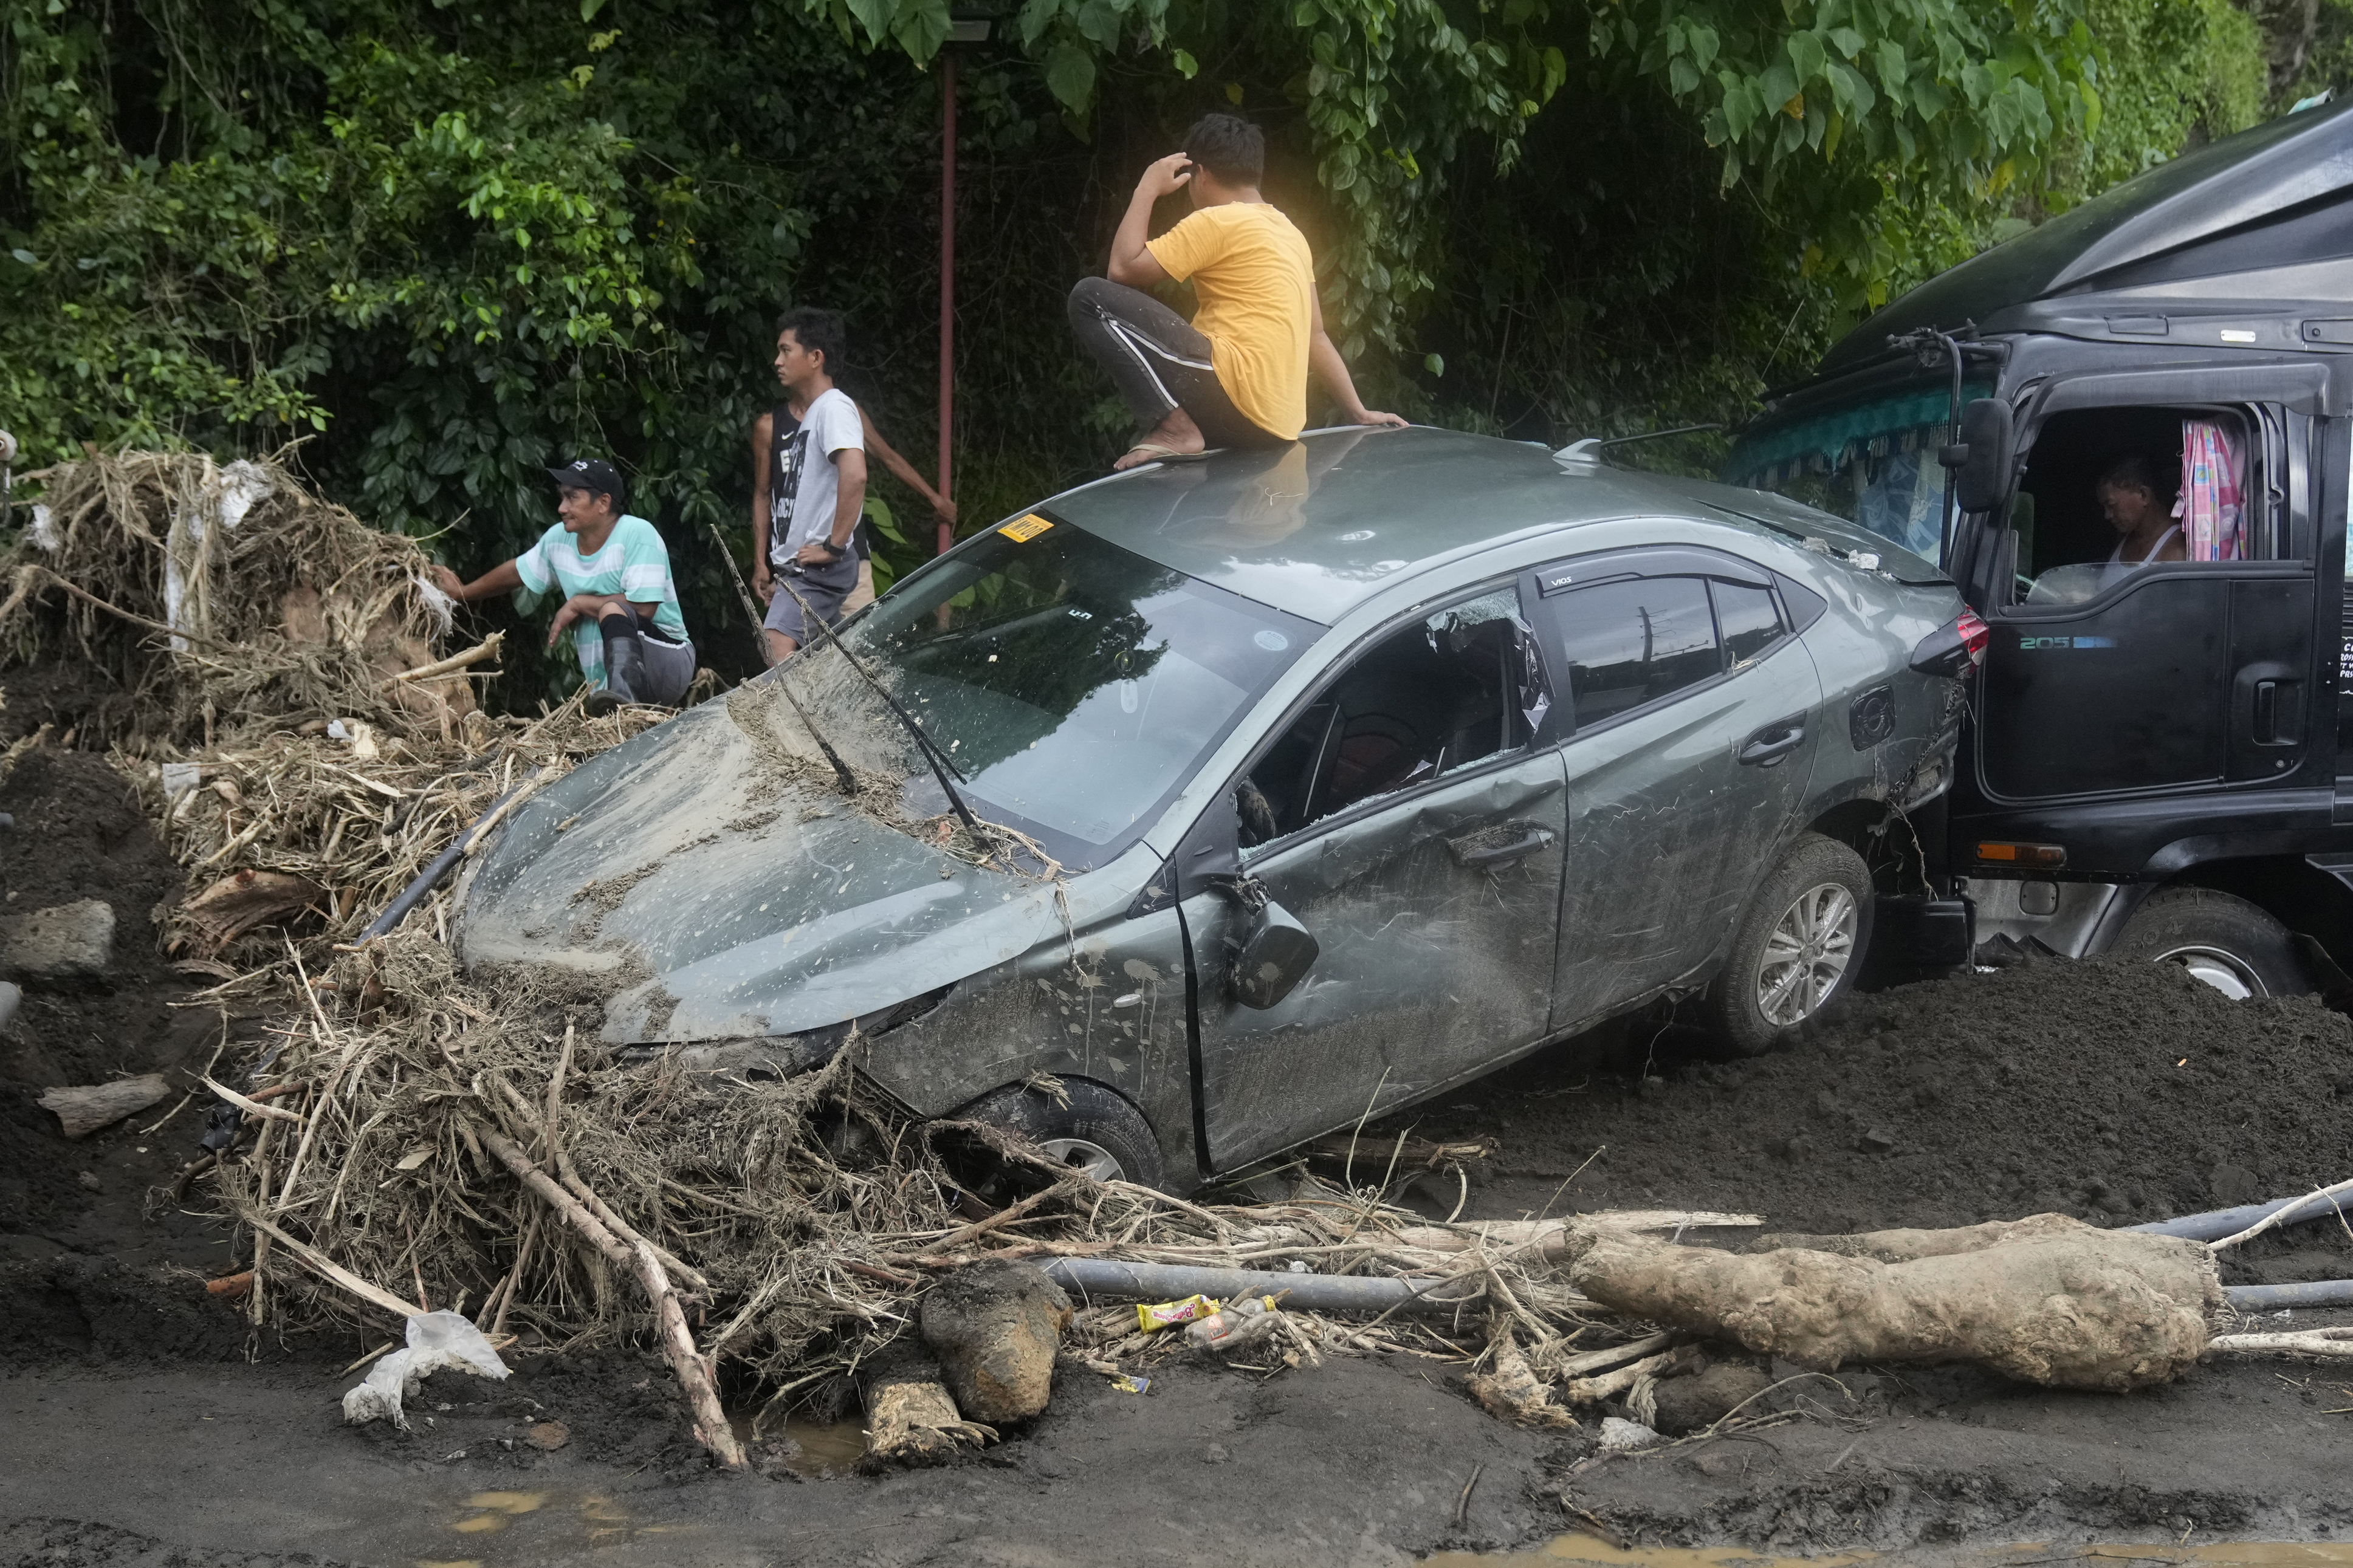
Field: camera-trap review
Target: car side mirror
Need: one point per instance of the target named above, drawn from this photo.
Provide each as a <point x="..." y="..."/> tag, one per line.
<point x="1274" y="957"/>
<point x="1980" y="460"/>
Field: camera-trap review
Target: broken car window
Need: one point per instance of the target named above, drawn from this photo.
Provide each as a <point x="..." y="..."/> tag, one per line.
<point x="1446" y="691"/>
<point x="1073" y="683"/>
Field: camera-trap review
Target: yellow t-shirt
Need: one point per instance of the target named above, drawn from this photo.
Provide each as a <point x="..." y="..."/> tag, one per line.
<point x="1257" y="286"/>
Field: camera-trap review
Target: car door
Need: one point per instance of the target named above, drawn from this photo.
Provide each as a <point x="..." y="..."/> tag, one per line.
<point x="1409" y="819"/>
<point x="1690" y="706"/>
<point x="2103" y="676"/>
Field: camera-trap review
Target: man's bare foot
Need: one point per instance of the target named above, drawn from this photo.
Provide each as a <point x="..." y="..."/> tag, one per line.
<point x="1174" y="437"/>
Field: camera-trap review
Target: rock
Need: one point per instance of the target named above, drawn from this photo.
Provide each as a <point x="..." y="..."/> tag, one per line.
<point x="1876" y="1141"/>
<point x="2235" y="1184"/>
<point x="11" y="996"/>
<point x="996" y="1327"/>
<point x="83" y="1111"/>
<point x="1618" y="1436"/>
<point x="66" y="941"/>
<point x="1694" y="1404"/>
<point x="88" y="1179"/>
<point x="548" y="1435"/>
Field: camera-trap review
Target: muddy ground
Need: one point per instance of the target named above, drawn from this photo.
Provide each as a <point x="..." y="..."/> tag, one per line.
<point x="143" y="1423"/>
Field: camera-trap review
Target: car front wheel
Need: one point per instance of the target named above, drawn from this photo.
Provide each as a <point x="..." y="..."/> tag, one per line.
<point x="1797" y="947"/>
<point x="2231" y="945"/>
<point x="1088" y="1128"/>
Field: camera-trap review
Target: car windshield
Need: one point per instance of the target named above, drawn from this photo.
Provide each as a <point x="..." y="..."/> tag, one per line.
<point x="1871" y="461"/>
<point x="1073" y="684"/>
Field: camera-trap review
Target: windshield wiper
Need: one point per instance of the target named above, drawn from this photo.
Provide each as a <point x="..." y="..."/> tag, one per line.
<point x="941" y="765"/>
<point x="841" y="773"/>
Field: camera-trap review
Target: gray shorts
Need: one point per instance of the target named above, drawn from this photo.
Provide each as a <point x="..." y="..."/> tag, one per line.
<point x="822" y="589"/>
<point x="670" y="669"/>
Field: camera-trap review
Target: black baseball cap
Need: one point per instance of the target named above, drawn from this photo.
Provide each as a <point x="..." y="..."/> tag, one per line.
<point x="594" y="475"/>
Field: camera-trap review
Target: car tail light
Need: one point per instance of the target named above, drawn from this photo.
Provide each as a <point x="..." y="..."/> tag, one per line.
<point x="1955" y="651"/>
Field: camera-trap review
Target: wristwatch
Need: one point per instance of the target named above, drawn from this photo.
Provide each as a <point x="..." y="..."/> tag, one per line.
<point x="830" y="548"/>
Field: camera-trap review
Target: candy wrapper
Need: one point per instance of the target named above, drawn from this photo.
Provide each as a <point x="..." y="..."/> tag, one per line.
<point x="1167" y="1314"/>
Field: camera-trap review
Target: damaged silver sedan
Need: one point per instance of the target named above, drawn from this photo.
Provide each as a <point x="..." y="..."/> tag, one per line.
<point x="1208" y="806"/>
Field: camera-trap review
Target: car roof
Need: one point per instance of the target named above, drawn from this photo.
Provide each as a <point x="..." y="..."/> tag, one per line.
<point x="1323" y="523"/>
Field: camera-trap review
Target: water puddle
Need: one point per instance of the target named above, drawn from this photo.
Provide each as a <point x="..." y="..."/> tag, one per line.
<point x="820" y="1448"/>
<point x="1582" y="1548"/>
<point x="545" y="1522"/>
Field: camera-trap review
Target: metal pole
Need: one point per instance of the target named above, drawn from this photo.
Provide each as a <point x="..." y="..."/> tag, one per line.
<point x="947" y="279"/>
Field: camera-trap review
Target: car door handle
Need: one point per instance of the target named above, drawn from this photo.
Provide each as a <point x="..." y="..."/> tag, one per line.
<point x="1476" y="850"/>
<point x="1775" y="741"/>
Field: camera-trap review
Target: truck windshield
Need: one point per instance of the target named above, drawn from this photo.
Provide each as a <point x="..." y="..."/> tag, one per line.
<point x="1872" y="460"/>
<point x="1073" y="684"/>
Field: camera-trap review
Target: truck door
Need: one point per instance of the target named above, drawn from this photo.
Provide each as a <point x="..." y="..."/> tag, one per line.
<point x="2151" y="592"/>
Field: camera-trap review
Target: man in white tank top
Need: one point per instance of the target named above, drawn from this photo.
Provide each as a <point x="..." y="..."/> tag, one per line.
<point x="2134" y="503"/>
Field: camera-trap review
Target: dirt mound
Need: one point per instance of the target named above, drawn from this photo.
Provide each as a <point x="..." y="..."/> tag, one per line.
<point x="2115" y="1091"/>
<point x="79" y="833"/>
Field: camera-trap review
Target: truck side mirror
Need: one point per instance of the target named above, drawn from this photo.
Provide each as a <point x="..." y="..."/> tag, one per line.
<point x="1979" y="461"/>
<point x="1274" y="957"/>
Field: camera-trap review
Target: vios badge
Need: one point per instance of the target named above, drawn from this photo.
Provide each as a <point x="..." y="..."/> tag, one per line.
<point x="2032" y="645"/>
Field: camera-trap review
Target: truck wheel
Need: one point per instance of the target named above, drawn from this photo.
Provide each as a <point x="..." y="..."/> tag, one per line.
<point x="1798" y="946"/>
<point x="2231" y="945"/>
<point x="1097" y="1131"/>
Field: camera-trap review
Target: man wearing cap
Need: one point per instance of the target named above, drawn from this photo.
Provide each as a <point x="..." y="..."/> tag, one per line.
<point x="619" y="601"/>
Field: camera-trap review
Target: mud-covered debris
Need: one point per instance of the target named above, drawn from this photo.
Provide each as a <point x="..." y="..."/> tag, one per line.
<point x="1687" y="1404"/>
<point x="996" y="1328"/>
<point x="2046" y="1300"/>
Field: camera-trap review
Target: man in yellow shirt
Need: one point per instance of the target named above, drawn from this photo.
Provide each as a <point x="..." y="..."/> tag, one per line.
<point x="1236" y="375"/>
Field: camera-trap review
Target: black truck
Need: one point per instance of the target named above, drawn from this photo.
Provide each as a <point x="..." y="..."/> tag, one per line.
<point x="2158" y="756"/>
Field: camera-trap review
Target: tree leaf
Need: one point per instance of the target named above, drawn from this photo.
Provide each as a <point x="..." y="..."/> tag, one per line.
<point x="1070" y="76"/>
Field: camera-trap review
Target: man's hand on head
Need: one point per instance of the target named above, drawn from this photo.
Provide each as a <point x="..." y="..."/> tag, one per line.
<point x="1166" y="176"/>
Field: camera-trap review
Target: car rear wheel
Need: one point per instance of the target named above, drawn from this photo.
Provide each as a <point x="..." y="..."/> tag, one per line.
<point x="2231" y="945"/>
<point x="1090" y="1128"/>
<point x="1798" y="948"/>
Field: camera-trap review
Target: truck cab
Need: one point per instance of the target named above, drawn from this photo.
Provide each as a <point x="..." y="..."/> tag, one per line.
<point x="2127" y="437"/>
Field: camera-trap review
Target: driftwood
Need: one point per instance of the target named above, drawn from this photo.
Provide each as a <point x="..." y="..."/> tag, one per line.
<point x="710" y="1427"/>
<point x="916" y="1423"/>
<point x="2307" y="1342"/>
<point x="1511" y="1389"/>
<point x="2047" y="1299"/>
<point x="85" y="1110"/>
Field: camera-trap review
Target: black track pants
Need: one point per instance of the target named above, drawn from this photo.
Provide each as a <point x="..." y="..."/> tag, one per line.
<point x="1159" y="361"/>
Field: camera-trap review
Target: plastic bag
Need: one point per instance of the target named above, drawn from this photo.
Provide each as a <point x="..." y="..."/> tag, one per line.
<point x="436" y="1340"/>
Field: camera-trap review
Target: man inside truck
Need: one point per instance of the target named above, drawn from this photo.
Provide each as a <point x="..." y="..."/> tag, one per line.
<point x="2136" y="506"/>
<point x="2169" y="487"/>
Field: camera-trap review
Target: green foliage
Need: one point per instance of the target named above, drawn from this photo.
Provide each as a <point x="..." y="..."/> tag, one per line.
<point x="447" y="242"/>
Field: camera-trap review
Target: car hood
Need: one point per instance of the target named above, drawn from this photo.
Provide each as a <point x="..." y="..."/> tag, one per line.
<point x="711" y="873"/>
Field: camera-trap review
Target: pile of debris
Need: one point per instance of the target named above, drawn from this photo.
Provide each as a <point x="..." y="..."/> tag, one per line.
<point x="414" y="1140"/>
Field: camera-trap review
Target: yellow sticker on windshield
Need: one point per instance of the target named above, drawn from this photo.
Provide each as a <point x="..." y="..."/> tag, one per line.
<point x="1026" y="529"/>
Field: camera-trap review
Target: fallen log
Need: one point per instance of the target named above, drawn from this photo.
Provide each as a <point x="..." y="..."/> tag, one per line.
<point x="2046" y="1300"/>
